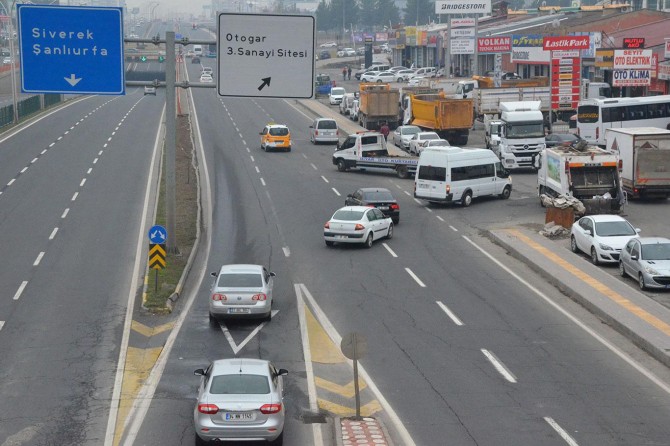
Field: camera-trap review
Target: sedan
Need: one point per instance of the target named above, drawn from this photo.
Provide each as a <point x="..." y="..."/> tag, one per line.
<point x="602" y="237"/>
<point x="434" y="143"/>
<point x="240" y="399"/>
<point x="328" y="45"/>
<point x="346" y="52"/>
<point x="241" y="291"/>
<point x="403" y="75"/>
<point x="384" y="76"/>
<point x="416" y="81"/>
<point x="647" y="259"/>
<point x="207" y="78"/>
<point x="378" y="197"/>
<point x="562" y="139"/>
<point x="419" y="140"/>
<point x="357" y="224"/>
<point x="368" y="75"/>
<point x="403" y="134"/>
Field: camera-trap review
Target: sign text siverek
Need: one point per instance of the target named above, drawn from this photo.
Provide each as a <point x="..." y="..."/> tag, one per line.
<point x="66" y="48"/>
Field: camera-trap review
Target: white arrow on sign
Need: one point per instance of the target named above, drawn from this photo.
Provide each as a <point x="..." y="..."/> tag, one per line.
<point x="236" y="348"/>
<point x="72" y="80"/>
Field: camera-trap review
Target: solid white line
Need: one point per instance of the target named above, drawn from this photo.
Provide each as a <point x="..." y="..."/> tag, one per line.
<point x="2" y="324"/>
<point x="53" y="234"/>
<point x="262" y="181"/>
<point x="453" y="229"/>
<point x="33" y="161"/>
<point x="257" y="169"/>
<point x="313" y="166"/>
<point x="82" y="182"/>
<point x="74" y="197"/>
<point x="287" y="251"/>
<point x="324" y="179"/>
<point x="564" y="435"/>
<point x="236" y="348"/>
<point x="336" y="192"/>
<point x="407" y="193"/>
<point x="439" y="218"/>
<point x="88" y="172"/>
<point x="38" y="259"/>
<point x="499" y="366"/>
<point x="252" y="159"/>
<point x="451" y="315"/>
<point x="648" y="374"/>
<point x="389" y="250"/>
<point x="24" y="169"/>
<point x="65" y="213"/>
<point x="11" y="181"/>
<point x="20" y="290"/>
<point x="414" y="276"/>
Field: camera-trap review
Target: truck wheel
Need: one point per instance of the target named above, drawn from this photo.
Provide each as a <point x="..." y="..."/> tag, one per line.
<point x="463" y="140"/>
<point x="466" y="199"/>
<point x="341" y="165"/>
<point x="403" y="172"/>
<point x="506" y="192"/>
<point x="540" y="192"/>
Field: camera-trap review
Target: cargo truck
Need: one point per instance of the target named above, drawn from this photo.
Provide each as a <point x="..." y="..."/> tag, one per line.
<point x="588" y="173"/>
<point x="368" y="150"/>
<point x="450" y="118"/>
<point x="645" y="159"/>
<point x="521" y="134"/>
<point x="378" y="104"/>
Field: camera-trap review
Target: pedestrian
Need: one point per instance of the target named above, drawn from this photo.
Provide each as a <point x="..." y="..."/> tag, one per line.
<point x="385" y="130"/>
<point x="349" y="72"/>
<point x="344" y="73"/>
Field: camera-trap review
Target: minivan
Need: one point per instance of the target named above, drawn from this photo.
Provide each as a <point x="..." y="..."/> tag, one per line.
<point x="324" y="130"/>
<point x="425" y="72"/>
<point x="453" y="174"/>
<point x="197" y="50"/>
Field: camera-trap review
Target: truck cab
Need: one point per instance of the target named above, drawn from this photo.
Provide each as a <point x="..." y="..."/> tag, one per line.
<point x="522" y="133"/>
<point x="492" y="129"/>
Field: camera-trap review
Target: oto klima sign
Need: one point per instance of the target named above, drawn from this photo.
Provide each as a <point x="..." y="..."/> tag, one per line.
<point x="632" y="68"/>
<point x="66" y="49"/>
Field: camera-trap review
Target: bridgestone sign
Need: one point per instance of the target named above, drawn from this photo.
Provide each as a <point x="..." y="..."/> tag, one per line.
<point x="463" y="6"/>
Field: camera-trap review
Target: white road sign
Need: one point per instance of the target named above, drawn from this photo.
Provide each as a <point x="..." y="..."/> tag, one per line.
<point x="463" y="7"/>
<point x="266" y="56"/>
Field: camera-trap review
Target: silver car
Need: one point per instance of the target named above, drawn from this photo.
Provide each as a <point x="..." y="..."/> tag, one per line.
<point x="324" y="130"/>
<point x="240" y="399"/>
<point x="647" y="259"/>
<point x="402" y="134"/>
<point x="241" y="291"/>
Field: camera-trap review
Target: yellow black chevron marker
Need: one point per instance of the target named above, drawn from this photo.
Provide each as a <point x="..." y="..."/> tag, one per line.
<point x="157" y="256"/>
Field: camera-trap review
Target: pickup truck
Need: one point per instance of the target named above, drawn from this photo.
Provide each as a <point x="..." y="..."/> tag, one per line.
<point x="368" y="149"/>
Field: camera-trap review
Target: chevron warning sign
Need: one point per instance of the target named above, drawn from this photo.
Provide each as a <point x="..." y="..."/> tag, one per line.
<point x="157" y="256"/>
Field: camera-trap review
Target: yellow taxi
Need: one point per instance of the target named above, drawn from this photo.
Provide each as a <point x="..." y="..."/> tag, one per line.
<point x="275" y="136"/>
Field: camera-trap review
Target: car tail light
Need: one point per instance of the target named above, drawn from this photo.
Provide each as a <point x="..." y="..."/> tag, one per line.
<point x="270" y="408"/>
<point x="218" y="296"/>
<point x="395" y="206"/>
<point x="259" y="297"/>
<point x="209" y="409"/>
<point x="327" y="225"/>
<point x="359" y="227"/>
<point x="316" y="133"/>
<point x="369" y="205"/>
<point x="448" y="189"/>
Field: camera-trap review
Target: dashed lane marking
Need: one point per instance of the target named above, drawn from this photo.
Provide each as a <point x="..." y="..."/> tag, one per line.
<point x="499" y="366"/>
<point x="416" y="279"/>
<point x="450" y="313"/>
<point x="388" y="248"/>
<point x="564" y="435"/>
<point x="336" y="192"/>
<point x="22" y="287"/>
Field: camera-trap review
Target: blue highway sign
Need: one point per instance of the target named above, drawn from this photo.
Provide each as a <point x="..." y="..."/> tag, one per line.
<point x="157" y="234"/>
<point x="71" y="49"/>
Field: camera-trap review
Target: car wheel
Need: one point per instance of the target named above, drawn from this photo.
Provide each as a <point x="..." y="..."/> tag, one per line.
<point x="466" y="199"/>
<point x="289" y="149"/>
<point x="507" y="191"/>
<point x="640" y="282"/>
<point x="199" y="441"/>
<point x="395" y="220"/>
<point x="622" y="270"/>
<point x="389" y="234"/>
<point x="329" y="243"/>
<point x="268" y="317"/>
<point x="279" y="441"/>
<point x="540" y="192"/>
<point x="213" y="320"/>
<point x="594" y="256"/>
<point x="341" y="165"/>
<point x="368" y="241"/>
<point x="573" y="244"/>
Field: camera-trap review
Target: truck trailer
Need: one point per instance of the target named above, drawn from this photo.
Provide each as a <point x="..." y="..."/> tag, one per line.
<point x="450" y="118"/>
<point x="378" y="104"/>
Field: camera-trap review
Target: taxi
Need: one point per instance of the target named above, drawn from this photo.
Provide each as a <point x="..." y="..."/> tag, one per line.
<point x="275" y="136"/>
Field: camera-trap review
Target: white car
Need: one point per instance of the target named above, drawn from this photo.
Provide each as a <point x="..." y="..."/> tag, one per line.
<point x="434" y="143"/>
<point x="336" y="94"/>
<point x="357" y="224"/>
<point x="6" y="60"/>
<point x="346" y="52"/>
<point x="402" y="135"/>
<point x="207" y="78"/>
<point x="328" y="45"/>
<point x="241" y="291"/>
<point x="384" y="76"/>
<point x="602" y="237"/>
<point x="416" y="81"/>
<point x="419" y="139"/>
<point x="365" y="77"/>
<point x="403" y="75"/>
<point x="397" y="68"/>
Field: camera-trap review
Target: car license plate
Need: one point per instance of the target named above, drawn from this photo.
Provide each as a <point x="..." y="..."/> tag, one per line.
<point x="340" y="236"/>
<point x="423" y="186"/>
<point x="238" y="310"/>
<point x="240" y="416"/>
<point x="383" y="208"/>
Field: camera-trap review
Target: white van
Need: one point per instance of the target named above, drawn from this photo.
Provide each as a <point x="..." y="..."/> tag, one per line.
<point x="452" y="174"/>
<point x="197" y="50"/>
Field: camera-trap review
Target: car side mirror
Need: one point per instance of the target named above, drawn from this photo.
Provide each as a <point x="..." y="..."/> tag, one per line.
<point x="589" y="232"/>
<point x="638" y="230"/>
<point x="199" y="372"/>
<point x="214" y="274"/>
<point x="282" y="372"/>
<point x="273" y="274"/>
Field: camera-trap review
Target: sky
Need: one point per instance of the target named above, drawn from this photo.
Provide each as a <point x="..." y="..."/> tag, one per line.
<point x="166" y="6"/>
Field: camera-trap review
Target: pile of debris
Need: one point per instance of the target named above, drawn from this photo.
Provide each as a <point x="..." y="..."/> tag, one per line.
<point x="553" y="231"/>
<point x="563" y="202"/>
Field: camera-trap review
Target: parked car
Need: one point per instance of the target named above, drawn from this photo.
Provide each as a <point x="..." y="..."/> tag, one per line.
<point x="384" y="76"/>
<point x="602" y="237"/>
<point x="419" y="139"/>
<point x="415" y="81"/>
<point x="647" y="259"/>
<point x="434" y="143"/>
<point x="397" y="68"/>
<point x="403" y="134"/>
<point x="346" y="52"/>
<point x="562" y="139"/>
<point x="328" y="45"/>
<point x="360" y="51"/>
<point x="240" y="398"/>
<point x="368" y="75"/>
<point x="357" y="224"/>
<point x="403" y="75"/>
<point x="378" y="197"/>
<point x="324" y="130"/>
<point x="241" y="290"/>
<point x="336" y="94"/>
<point x="324" y="55"/>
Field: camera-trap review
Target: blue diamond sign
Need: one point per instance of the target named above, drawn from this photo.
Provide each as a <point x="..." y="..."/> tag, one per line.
<point x="66" y="49"/>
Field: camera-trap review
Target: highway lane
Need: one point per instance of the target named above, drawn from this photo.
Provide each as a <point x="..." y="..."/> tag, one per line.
<point x="69" y="231"/>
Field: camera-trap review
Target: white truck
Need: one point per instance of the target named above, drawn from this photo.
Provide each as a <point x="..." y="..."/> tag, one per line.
<point x="368" y="150"/>
<point x="645" y="159"/>
<point x="588" y="173"/>
<point x="521" y="134"/>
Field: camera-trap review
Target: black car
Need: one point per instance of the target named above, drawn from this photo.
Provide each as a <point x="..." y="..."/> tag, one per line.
<point x="195" y="60"/>
<point x="324" y="55"/>
<point x="562" y="139"/>
<point x="378" y="197"/>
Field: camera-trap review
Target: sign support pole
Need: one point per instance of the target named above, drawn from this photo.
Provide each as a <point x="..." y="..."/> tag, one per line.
<point x="356" y="389"/>
<point x="170" y="142"/>
<point x="475" y="65"/>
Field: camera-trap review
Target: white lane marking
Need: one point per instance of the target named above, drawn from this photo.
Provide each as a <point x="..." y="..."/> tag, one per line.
<point x="336" y="192"/>
<point x="24" y="169"/>
<point x="439" y="218"/>
<point x="252" y="159"/>
<point x="398" y="186"/>
<point x="405" y="437"/>
<point x="113" y="133"/>
<point x="248" y="149"/>
<point x="88" y="172"/>
<point x="109" y="139"/>
<point x="34" y="159"/>
<point x="325" y="179"/>
<point x="244" y="142"/>
<point x="429" y="209"/>
<point x="414" y="276"/>
<point x="53" y="234"/>
<point x="20" y="290"/>
<point x="499" y="366"/>
<point x="11" y="181"/>
<point x="450" y="313"/>
<point x="417" y="200"/>
<point x="407" y="193"/>
<point x="100" y="153"/>
<point x="313" y="166"/>
<point x="117" y="128"/>
<point x="72" y="128"/>
<point x="82" y="182"/>
<point x="453" y="229"/>
<point x="257" y="169"/>
<point x="50" y="145"/>
<point x="630" y="361"/>
<point x="66" y="132"/>
<point x="2" y="324"/>
<point x="563" y="434"/>
<point x="304" y="156"/>
<point x="59" y="138"/>
<point x="262" y="181"/>
<point x="104" y="145"/>
<point x="388" y="248"/>
<point x="95" y="161"/>
<point x="74" y="197"/>
<point x="236" y="348"/>
<point x="38" y="259"/>
<point x="287" y="251"/>
<point x="65" y="212"/>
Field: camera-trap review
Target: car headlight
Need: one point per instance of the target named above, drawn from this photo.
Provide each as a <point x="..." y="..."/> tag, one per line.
<point x="651" y="270"/>
<point x="605" y="247"/>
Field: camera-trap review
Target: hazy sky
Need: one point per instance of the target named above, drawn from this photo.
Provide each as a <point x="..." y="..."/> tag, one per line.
<point x="166" y="6"/>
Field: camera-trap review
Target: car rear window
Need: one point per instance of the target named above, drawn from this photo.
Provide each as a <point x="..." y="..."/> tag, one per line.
<point x="239" y="384"/>
<point x="240" y="280"/>
<point x="348" y="215"/>
<point x="327" y="125"/>
<point x="432" y="173"/>
<point x="278" y="131"/>
<point x="378" y="196"/>
<point x="411" y="131"/>
<point x="336" y="91"/>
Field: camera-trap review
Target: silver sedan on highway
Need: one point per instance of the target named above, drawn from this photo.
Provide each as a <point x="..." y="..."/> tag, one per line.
<point x="241" y="291"/>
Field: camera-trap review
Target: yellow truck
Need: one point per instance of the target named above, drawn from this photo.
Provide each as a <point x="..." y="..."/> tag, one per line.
<point x="378" y="103"/>
<point x="450" y="118"/>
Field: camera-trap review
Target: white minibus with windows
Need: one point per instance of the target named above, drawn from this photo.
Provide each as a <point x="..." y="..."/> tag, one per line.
<point x="594" y="116"/>
<point x="197" y="50"/>
<point x="453" y="174"/>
